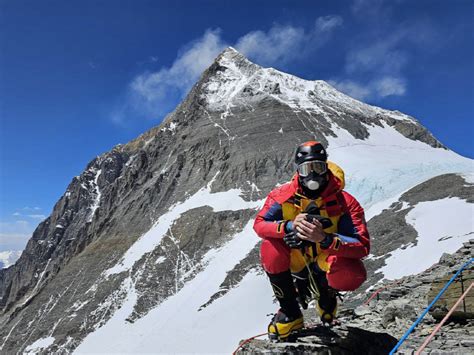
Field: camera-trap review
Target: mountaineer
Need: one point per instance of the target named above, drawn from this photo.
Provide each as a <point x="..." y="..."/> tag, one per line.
<point x="314" y="236"/>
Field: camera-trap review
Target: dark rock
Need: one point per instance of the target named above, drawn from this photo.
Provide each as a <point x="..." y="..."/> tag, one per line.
<point x="324" y="340"/>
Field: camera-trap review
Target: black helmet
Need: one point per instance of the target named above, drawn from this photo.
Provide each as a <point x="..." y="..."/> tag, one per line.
<point x="311" y="150"/>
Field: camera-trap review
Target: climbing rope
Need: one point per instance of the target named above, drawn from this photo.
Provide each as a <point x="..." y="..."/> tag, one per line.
<point x="446" y="317"/>
<point x="246" y="341"/>
<point x="408" y="332"/>
<point x="376" y="292"/>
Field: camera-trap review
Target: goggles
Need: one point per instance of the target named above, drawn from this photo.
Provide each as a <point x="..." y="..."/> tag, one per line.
<point x="306" y="168"/>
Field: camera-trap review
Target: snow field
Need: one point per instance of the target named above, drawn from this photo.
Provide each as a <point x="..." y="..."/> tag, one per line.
<point x="176" y="326"/>
<point x="221" y="201"/>
<point x="442" y="226"/>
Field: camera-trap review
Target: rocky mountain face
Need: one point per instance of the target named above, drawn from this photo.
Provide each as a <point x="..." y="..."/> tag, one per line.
<point x="146" y="220"/>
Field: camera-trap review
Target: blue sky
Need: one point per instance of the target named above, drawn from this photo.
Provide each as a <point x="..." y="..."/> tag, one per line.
<point x="78" y="77"/>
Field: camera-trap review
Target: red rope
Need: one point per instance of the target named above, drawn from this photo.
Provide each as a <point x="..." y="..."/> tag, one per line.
<point x="247" y="341"/>
<point x="376" y="292"/>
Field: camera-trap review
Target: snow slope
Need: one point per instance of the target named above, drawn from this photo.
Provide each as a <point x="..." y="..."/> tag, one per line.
<point x="442" y="226"/>
<point x="387" y="164"/>
<point x="176" y="325"/>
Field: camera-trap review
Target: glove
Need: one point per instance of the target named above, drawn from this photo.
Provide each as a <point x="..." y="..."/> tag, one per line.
<point x="293" y="241"/>
<point x="291" y="238"/>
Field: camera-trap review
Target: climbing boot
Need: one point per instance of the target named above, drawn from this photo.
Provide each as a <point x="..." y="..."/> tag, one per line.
<point x="289" y="317"/>
<point x="327" y="300"/>
<point x="283" y="325"/>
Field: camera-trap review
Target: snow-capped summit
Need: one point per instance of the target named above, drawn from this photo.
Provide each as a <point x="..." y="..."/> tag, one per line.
<point x="241" y="82"/>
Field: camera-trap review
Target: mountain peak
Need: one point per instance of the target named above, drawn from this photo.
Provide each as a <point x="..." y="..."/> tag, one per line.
<point x="232" y="55"/>
<point x="234" y="60"/>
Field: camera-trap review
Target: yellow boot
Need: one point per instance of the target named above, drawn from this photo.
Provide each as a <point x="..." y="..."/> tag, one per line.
<point x="282" y="325"/>
<point x="327" y="304"/>
<point x="289" y="317"/>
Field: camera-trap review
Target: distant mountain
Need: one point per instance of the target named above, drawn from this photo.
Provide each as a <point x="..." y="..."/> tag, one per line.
<point x="152" y="248"/>
<point x="8" y="258"/>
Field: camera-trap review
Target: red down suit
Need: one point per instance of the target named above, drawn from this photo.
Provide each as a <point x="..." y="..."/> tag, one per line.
<point x="341" y="259"/>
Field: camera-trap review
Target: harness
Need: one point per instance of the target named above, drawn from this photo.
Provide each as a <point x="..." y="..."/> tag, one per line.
<point x="330" y="207"/>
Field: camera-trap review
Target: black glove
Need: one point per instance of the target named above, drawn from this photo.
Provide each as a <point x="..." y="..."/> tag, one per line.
<point x="294" y="242"/>
<point x="314" y="213"/>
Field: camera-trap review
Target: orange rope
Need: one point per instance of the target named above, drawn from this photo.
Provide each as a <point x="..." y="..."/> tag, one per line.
<point x="247" y="341"/>
<point x="376" y="292"/>
<point x="438" y="327"/>
<point x="261" y="335"/>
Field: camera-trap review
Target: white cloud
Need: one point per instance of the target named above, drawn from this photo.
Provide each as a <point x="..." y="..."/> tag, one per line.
<point x="15" y="235"/>
<point x="377" y="59"/>
<point x="365" y="8"/>
<point x="328" y="23"/>
<point x="388" y="86"/>
<point x="280" y="44"/>
<point x="374" y="89"/>
<point x="37" y="216"/>
<point x="353" y="89"/>
<point x="13" y="241"/>
<point x="151" y="92"/>
<point x="382" y="56"/>
<point x="156" y="93"/>
<point x="27" y="208"/>
<point x="375" y="70"/>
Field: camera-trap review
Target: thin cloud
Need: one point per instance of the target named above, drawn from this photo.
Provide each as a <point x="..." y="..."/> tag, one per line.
<point x="153" y="87"/>
<point x="279" y="45"/>
<point x="353" y="89"/>
<point x="383" y="56"/>
<point x="375" y="65"/>
<point x="328" y="23"/>
<point x="380" y="64"/>
<point x="388" y="86"/>
<point x="153" y="94"/>
<point x="37" y="216"/>
<point x="374" y="89"/>
<point x="92" y="65"/>
<point x="13" y="241"/>
<point x="282" y="44"/>
<point x="27" y="208"/>
<point x="372" y="8"/>
<point x="15" y="235"/>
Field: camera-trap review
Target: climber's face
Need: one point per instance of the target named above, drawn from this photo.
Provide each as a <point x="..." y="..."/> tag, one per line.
<point x="313" y="174"/>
